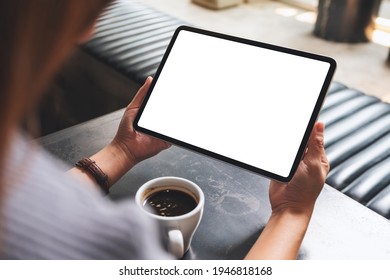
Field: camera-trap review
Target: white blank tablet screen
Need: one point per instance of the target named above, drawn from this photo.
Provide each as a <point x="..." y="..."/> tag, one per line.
<point x="243" y="102"/>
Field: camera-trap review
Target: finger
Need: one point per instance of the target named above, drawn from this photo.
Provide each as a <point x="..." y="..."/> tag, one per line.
<point x="316" y="148"/>
<point x="139" y="97"/>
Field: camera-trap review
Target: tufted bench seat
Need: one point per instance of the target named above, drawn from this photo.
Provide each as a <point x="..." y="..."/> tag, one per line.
<point x="131" y="39"/>
<point x="357" y="142"/>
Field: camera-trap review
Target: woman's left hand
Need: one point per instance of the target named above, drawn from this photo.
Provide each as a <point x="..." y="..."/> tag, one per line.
<point x="135" y="145"/>
<point x="127" y="148"/>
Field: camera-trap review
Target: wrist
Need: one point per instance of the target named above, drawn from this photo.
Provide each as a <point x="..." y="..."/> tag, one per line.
<point x="113" y="161"/>
<point x="282" y="236"/>
<point x="294" y="223"/>
<point x="301" y="214"/>
<point x="123" y="152"/>
<point x="94" y="172"/>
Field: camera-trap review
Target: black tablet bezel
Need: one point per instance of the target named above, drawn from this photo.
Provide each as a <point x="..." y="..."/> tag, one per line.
<point x="313" y="118"/>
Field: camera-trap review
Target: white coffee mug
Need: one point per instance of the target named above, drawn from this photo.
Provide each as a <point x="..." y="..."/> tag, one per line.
<point x="179" y="229"/>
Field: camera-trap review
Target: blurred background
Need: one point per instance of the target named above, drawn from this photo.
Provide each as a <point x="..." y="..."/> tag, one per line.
<point x="101" y="78"/>
<point x="291" y="23"/>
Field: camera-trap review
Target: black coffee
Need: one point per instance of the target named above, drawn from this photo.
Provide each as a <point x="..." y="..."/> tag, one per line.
<point x="170" y="203"/>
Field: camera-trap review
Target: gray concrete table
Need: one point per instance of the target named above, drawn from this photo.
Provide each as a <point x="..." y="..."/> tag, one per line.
<point x="237" y="206"/>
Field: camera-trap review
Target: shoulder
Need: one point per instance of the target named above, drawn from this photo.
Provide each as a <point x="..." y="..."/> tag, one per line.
<point x="48" y="215"/>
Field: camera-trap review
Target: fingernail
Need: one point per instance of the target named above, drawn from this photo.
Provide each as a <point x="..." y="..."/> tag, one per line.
<point x="320" y="127"/>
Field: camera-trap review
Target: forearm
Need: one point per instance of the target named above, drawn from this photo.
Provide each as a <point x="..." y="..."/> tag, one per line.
<point x="127" y="148"/>
<point x="111" y="160"/>
<point x="281" y="238"/>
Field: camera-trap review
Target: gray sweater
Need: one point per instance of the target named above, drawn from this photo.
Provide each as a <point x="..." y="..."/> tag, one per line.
<point x="46" y="214"/>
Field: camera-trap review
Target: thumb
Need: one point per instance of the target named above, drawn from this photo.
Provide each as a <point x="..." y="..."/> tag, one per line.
<point x="139" y="97"/>
<point x="315" y="147"/>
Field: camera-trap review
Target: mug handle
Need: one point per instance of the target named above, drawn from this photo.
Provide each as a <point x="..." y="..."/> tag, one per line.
<point x="176" y="243"/>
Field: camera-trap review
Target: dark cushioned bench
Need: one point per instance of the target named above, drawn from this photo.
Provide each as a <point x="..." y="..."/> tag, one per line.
<point x="357" y="142"/>
<point x="131" y="38"/>
<point x="104" y="75"/>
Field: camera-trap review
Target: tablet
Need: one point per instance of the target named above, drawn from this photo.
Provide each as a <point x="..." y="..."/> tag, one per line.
<point x="244" y="102"/>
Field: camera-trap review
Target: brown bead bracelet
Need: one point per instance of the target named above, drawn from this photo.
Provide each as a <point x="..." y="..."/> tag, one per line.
<point x="91" y="167"/>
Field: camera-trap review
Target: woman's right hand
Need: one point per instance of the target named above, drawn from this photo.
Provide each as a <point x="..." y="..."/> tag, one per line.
<point x="299" y="195"/>
<point x="293" y="203"/>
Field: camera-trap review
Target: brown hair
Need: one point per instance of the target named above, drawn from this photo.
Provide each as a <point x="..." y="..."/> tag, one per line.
<point x="36" y="36"/>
